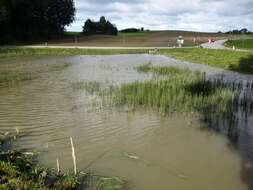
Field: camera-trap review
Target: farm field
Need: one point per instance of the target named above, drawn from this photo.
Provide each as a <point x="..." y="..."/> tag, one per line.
<point x="140" y="39"/>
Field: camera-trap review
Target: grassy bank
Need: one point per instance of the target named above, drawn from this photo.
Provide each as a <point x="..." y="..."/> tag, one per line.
<point x="230" y="60"/>
<point x="18" y="170"/>
<point x="15" y="52"/>
<point x="240" y="44"/>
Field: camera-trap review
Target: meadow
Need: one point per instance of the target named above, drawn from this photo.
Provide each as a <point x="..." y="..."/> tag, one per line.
<point x="240" y="44"/>
<point x="226" y="59"/>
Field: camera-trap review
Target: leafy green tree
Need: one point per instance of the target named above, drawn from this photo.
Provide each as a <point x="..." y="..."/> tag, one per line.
<point x="103" y="26"/>
<point x="34" y="19"/>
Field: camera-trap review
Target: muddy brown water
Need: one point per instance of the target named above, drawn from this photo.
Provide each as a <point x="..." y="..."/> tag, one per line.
<point x="148" y="150"/>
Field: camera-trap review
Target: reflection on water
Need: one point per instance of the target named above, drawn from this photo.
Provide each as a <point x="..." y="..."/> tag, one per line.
<point x="148" y="150"/>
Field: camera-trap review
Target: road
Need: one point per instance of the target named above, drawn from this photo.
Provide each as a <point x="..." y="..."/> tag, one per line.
<point x="219" y="44"/>
<point x="215" y="45"/>
<point x="97" y="47"/>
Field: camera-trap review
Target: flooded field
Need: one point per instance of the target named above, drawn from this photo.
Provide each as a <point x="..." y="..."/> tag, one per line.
<point x="146" y="149"/>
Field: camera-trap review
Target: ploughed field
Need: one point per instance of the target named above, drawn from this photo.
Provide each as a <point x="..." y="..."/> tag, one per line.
<point x="153" y="121"/>
<point x="140" y="39"/>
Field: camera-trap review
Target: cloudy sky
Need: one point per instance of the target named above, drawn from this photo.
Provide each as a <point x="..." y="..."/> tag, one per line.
<point x="197" y="15"/>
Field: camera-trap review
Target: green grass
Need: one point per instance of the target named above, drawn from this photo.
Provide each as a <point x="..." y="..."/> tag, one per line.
<point x="15" y="52"/>
<point x="18" y="170"/>
<point x="241" y="44"/>
<point x="225" y="59"/>
<point x="179" y="92"/>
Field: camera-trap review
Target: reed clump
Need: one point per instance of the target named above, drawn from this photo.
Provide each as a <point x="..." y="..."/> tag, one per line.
<point x="178" y="93"/>
<point x="221" y="104"/>
<point x="160" y="70"/>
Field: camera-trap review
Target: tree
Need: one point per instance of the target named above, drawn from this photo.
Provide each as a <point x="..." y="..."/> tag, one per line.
<point x="89" y="27"/>
<point x="35" y="19"/>
<point x="242" y="31"/>
<point x="4" y="19"/>
<point x="103" y="26"/>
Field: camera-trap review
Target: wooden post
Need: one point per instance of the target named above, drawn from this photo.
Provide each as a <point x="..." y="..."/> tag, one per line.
<point x="73" y="155"/>
<point x="58" y="165"/>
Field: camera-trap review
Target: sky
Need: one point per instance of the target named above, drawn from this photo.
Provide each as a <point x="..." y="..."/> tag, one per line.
<point x="190" y="15"/>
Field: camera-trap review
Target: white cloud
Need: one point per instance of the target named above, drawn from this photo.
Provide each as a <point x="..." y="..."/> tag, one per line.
<point x="200" y="15"/>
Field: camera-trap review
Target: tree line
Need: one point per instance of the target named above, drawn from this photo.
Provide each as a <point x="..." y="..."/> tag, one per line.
<point x="132" y="30"/>
<point x="239" y="31"/>
<point x="22" y="20"/>
<point x="103" y="26"/>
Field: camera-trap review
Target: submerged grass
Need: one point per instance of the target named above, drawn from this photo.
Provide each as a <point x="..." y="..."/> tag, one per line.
<point x="91" y="87"/>
<point x="15" y="52"/>
<point x="18" y="170"/>
<point x="160" y="70"/>
<point x="11" y="77"/>
<point x="225" y="59"/>
<point x="59" y="67"/>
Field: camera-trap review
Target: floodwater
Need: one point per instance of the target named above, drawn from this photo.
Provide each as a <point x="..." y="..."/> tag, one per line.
<point x="148" y="150"/>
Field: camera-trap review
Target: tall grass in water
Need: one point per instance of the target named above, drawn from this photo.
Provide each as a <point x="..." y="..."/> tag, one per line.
<point x="180" y="92"/>
<point x="216" y="101"/>
<point x="160" y="70"/>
